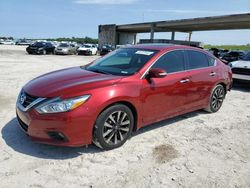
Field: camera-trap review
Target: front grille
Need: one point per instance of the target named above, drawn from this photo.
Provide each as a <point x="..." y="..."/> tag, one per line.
<point x="28" y="100"/>
<point x="22" y="124"/>
<point x="243" y="71"/>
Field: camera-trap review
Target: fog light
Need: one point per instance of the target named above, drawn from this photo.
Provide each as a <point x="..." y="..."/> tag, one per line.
<point x="57" y="136"/>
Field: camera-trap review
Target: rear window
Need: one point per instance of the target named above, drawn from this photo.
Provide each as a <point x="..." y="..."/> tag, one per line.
<point x="247" y="57"/>
<point x="196" y="59"/>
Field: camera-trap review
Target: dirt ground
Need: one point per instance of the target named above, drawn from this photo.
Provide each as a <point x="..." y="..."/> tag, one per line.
<point x="193" y="150"/>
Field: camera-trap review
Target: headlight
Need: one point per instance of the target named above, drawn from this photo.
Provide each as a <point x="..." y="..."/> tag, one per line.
<point x="58" y="105"/>
<point x="230" y="65"/>
<point x="40" y="48"/>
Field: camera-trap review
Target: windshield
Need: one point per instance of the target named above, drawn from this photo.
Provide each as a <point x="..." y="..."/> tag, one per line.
<point x="63" y="45"/>
<point x="39" y="44"/>
<point x="86" y="46"/>
<point x="124" y="61"/>
<point x="107" y="47"/>
<point x="247" y="57"/>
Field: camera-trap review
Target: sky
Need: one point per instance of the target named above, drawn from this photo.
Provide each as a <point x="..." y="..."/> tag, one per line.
<point x="80" y="18"/>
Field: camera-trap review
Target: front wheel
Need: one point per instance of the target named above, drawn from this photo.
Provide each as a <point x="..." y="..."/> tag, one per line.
<point x="216" y="99"/>
<point x="113" y="127"/>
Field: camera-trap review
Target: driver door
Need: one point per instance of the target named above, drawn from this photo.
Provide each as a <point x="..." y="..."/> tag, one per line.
<point x="165" y="97"/>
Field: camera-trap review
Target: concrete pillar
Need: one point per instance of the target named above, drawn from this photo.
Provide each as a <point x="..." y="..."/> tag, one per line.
<point x="189" y="37"/>
<point x="127" y="38"/>
<point x="173" y="35"/>
<point x="152" y="32"/>
<point x="107" y="35"/>
<point x="135" y="38"/>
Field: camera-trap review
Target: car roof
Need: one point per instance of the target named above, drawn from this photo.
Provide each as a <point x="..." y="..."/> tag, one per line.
<point x="161" y="46"/>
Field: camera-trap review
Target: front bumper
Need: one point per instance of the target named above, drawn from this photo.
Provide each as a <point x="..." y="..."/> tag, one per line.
<point x="35" y="51"/>
<point x="61" y="52"/>
<point x="72" y="128"/>
<point x="84" y="52"/>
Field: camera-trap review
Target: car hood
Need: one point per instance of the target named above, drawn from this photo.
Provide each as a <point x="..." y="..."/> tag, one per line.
<point x="67" y="83"/>
<point x="241" y="64"/>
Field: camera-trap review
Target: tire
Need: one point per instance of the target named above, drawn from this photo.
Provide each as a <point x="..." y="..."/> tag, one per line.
<point x="113" y="127"/>
<point x="216" y="99"/>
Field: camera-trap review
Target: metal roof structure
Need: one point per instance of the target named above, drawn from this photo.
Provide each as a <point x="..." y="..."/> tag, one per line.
<point x="228" y="22"/>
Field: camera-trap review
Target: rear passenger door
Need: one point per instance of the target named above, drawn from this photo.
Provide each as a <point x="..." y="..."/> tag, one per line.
<point x="202" y="73"/>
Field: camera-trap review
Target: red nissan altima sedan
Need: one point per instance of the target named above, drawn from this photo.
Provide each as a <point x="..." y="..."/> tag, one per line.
<point x="104" y="101"/>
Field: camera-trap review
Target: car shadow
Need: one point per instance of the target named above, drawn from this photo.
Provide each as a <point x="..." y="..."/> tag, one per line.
<point x="241" y="86"/>
<point x="20" y="142"/>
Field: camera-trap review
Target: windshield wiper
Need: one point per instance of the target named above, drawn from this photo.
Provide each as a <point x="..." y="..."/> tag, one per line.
<point x="98" y="71"/>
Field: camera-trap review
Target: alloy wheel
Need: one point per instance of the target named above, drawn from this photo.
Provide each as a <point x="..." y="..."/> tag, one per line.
<point x="116" y="127"/>
<point x="217" y="98"/>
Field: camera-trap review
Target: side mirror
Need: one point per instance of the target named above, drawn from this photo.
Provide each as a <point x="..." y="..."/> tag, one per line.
<point x="157" y="73"/>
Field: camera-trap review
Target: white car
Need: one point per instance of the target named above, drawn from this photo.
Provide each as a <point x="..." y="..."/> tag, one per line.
<point x="87" y="49"/>
<point x="8" y="42"/>
<point x="241" y="68"/>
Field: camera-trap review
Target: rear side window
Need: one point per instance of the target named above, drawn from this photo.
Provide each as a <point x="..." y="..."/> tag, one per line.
<point x="211" y="61"/>
<point x="171" y="62"/>
<point x="196" y="59"/>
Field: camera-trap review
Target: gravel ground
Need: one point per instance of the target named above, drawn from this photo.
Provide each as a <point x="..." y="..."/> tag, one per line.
<point x="193" y="150"/>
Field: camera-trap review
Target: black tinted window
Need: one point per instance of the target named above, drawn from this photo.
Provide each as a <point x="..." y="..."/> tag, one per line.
<point x="247" y="57"/>
<point x="171" y="62"/>
<point x="49" y="45"/>
<point x="196" y="59"/>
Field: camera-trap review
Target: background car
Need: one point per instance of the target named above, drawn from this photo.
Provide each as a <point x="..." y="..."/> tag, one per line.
<point x="233" y="56"/>
<point x="40" y="48"/>
<point x="241" y="68"/>
<point x="65" y="49"/>
<point x="87" y="49"/>
<point x="7" y="42"/>
<point x="24" y="42"/>
<point x="106" y="49"/>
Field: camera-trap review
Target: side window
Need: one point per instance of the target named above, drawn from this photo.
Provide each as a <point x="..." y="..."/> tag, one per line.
<point x="211" y="61"/>
<point x="196" y="59"/>
<point x="171" y="62"/>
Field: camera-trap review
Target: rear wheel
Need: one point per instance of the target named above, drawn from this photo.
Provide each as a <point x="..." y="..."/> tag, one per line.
<point x="216" y="99"/>
<point x="113" y="127"/>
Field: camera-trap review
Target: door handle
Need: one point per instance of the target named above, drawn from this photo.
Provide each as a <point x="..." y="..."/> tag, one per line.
<point x="184" y="81"/>
<point x="212" y="74"/>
